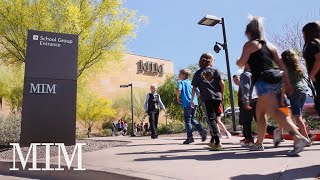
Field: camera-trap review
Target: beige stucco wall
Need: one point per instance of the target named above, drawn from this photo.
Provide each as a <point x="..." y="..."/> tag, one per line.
<point x="126" y="71"/>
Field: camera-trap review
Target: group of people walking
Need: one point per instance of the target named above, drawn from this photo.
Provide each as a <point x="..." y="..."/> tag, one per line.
<point x="265" y="86"/>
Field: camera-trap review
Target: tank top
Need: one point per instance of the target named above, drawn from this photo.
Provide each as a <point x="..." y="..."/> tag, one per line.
<point x="260" y="61"/>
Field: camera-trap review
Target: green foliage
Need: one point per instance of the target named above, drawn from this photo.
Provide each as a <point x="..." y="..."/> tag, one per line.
<point x="313" y="123"/>
<point x="173" y="127"/>
<point x="167" y="92"/>
<point x="193" y="68"/>
<point x="81" y="134"/>
<point x="10" y="129"/>
<point x="123" y="104"/>
<point x="11" y="86"/>
<point x="105" y="132"/>
<point x="91" y="108"/>
<point x="103" y="26"/>
<point x="226" y="96"/>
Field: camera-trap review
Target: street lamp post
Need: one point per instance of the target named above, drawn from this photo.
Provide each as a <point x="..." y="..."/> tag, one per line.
<point x="210" y="20"/>
<point x="132" y="122"/>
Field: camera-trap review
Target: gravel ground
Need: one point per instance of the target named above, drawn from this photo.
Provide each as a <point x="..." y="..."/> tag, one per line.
<point x="91" y="145"/>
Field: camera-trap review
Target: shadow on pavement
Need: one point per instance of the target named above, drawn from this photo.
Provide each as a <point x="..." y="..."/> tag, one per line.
<point x="298" y="173"/>
<point x="239" y="149"/>
<point x="159" y="144"/>
<point x="222" y="155"/>
<point x="59" y="175"/>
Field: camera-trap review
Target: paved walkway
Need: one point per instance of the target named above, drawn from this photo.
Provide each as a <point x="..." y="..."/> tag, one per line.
<point x="167" y="158"/>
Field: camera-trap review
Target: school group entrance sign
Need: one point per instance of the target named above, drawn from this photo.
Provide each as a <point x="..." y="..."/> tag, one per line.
<point x="50" y="89"/>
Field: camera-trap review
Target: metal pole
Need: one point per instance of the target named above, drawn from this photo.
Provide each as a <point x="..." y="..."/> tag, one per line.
<point x="229" y="75"/>
<point x="132" y="123"/>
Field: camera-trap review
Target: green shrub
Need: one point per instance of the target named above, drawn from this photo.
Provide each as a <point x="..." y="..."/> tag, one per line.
<point x="164" y="129"/>
<point x="177" y="127"/>
<point x="174" y="127"/>
<point x="10" y="129"/>
<point x="313" y="123"/>
<point x="81" y="134"/>
<point x="105" y="132"/>
<point x="106" y="125"/>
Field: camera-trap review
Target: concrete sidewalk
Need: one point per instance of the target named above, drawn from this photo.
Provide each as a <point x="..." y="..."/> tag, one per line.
<point x="167" y="158"/>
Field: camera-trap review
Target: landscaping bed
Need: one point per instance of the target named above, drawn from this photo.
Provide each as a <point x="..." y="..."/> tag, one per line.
<point x="91" y="145"/>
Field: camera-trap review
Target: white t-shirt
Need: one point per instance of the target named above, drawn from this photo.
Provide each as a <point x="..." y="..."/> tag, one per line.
<point x="125" y="126"/>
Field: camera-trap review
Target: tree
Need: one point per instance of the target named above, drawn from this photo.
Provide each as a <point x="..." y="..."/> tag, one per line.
<point x="11" y="86"/>
<point x="103" y="27"/>
<point x="193" y="68"/>
<point x="91" y="108"/>
<point x="124" y="104"/>
<point x="292" y="38"/>
<point x="167" y="92"/>
<point x="226" y="95"/>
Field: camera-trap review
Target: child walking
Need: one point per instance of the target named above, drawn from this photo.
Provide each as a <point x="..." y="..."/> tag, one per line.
<point x="152" y="106"/>
<point x="184" y="93"/>
<point x="211" y="86"/>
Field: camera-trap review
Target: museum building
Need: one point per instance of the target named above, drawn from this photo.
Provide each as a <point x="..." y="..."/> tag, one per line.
<point x="141" y="71"/>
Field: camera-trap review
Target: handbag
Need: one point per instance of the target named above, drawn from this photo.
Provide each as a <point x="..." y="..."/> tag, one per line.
<point x="272" y="76"/>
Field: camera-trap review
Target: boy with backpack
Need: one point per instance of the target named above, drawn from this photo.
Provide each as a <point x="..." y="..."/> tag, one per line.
<point x="211" y="86"/>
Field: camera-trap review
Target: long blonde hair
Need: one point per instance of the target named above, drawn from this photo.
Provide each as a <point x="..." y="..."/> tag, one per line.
<point x="255" y="29"/>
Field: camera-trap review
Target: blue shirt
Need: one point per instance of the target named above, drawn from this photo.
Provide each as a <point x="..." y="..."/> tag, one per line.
<point x="186" y="92"/>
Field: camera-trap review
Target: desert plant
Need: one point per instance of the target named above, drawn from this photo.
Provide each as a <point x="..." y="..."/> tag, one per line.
<point x="10" y="129"/>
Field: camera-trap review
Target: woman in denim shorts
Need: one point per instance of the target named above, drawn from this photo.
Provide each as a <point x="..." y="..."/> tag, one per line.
<point x="299" y="95"/>
<point x="261" y="56"/>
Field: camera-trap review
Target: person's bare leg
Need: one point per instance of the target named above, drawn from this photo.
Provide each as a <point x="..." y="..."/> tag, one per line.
<point x="272" y="107"/>
<point x="221" y="126"/>
<point x="261" y="120"/>
<point x="301" y="125"/>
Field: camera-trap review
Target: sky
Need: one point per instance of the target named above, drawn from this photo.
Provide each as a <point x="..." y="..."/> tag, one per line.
<point x="172" y="31"/>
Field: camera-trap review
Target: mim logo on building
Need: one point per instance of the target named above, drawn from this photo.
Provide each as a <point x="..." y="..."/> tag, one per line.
<point x="150" y="67"/>
<point x="42" y="88"/>
<point x="61" y="148"/>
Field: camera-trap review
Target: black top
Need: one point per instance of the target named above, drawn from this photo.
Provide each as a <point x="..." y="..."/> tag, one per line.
<point x="153" y="102"/>
<point x="260" y="61"/>
<point x="309" y="52"/>
<point x="207" y="80"/>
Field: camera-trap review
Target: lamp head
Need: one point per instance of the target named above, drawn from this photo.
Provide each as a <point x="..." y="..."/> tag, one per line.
<point x="209" y="20"/>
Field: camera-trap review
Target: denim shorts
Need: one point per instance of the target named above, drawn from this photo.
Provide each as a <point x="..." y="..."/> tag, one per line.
<point x="264" y="88"/>
<point x="297" y="100"/>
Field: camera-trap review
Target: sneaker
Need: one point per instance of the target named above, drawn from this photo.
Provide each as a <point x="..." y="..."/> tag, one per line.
<point x="256" y="147"/>
<point x="216" y="147"/>
<point x="277" y="137"/>
<point x="247" y="143"/>
<point x="299" y="146"/>
<point x="203" y="135"/>
<point x="309" y="144"/>
<point x="228" y="135"/>
<point x="154" y="136"/>
<point x="188" y="141"/>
